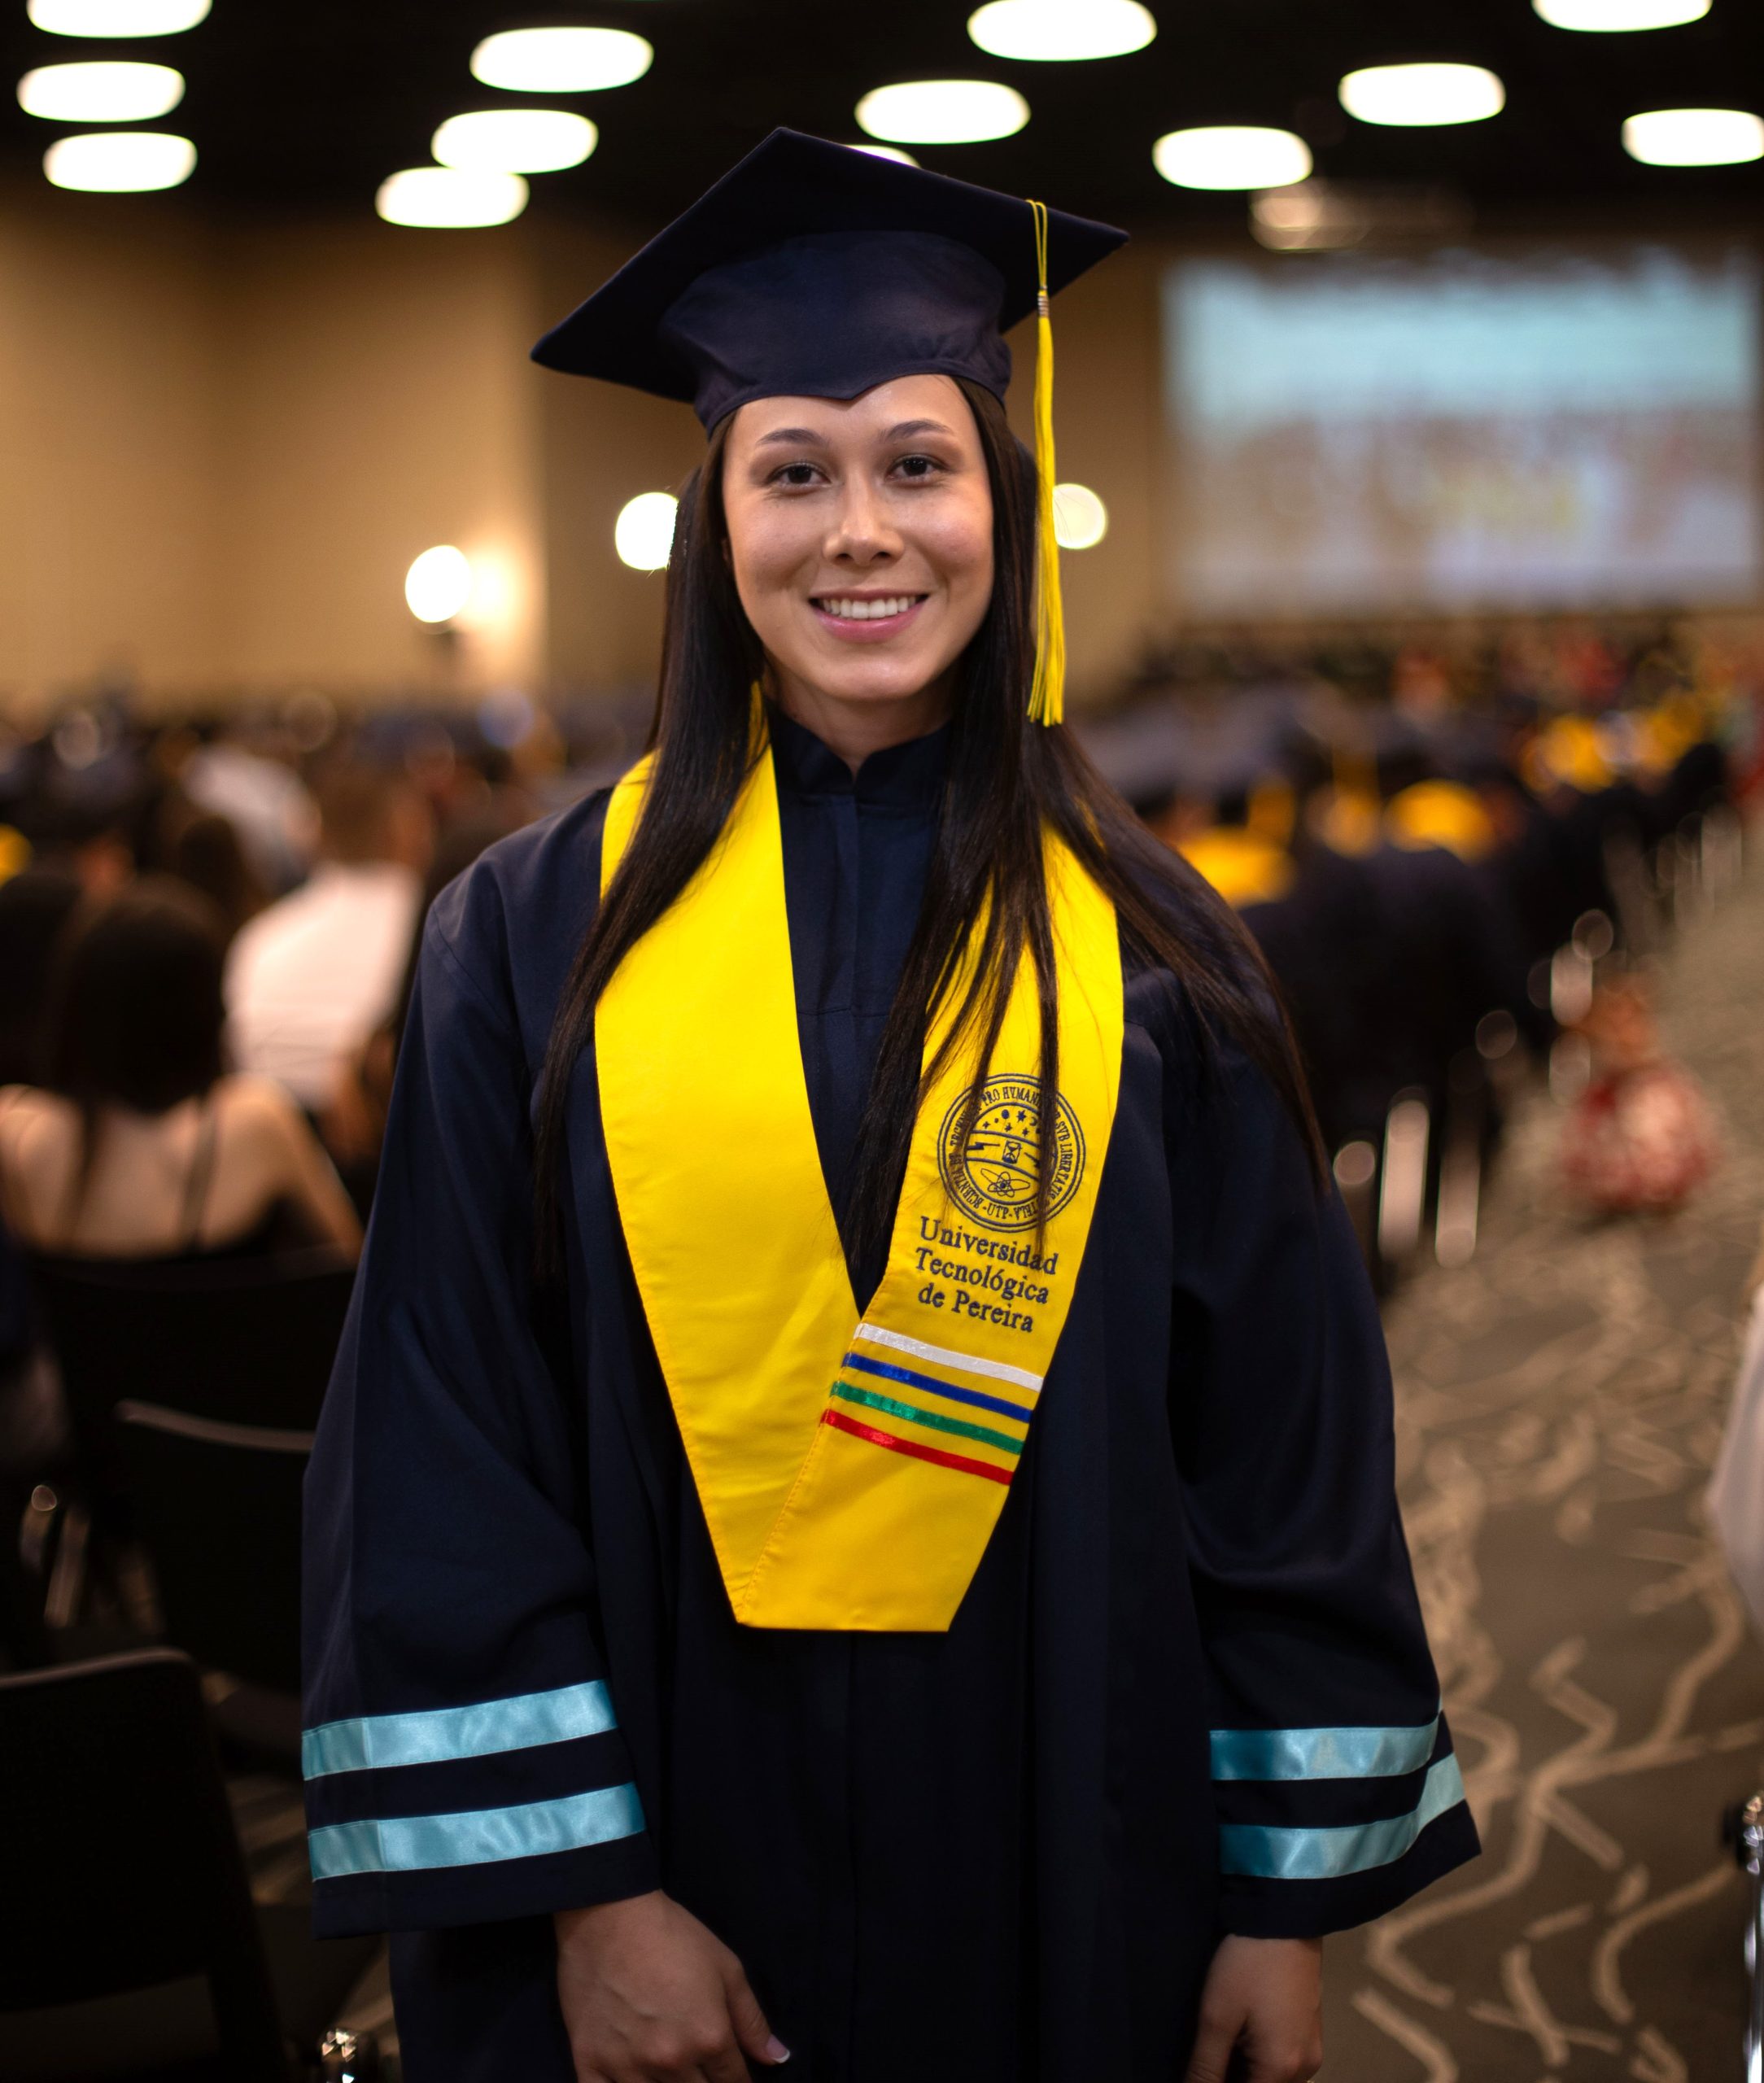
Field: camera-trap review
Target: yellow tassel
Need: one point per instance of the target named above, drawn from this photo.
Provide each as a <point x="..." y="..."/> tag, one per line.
<point x="1047" y="692"/>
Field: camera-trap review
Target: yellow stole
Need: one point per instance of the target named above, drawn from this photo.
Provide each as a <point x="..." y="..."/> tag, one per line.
<point x="851" y="1471"/>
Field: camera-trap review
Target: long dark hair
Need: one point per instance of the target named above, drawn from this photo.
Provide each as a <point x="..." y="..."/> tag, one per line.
<point x="1008" y="781"/>
<point x="137" y="1014"/>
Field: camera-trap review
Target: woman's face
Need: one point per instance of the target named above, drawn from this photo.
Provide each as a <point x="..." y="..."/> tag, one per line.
<point x="860" y="534"/>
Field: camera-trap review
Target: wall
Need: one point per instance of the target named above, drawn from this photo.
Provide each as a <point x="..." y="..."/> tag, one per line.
<point x="108" y="444"/>
<point x="221" y="446"/>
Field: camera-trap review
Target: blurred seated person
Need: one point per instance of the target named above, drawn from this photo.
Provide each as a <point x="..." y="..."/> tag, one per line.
<point x="137" y="1143"/>
<point x="310" y="978"/>
<point x="35" y="905"/>
<point x="206" y="851"/>
<point x="353" y="1121"/>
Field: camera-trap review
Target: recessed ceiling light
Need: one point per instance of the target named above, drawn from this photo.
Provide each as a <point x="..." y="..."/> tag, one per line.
<point x="644" y="533"/>
<point x="560" y="61"/>
<point x="1415" y="96"/>
<point x="1080" y="519"/>
<point x="1048" y="29"/>
<point x="120" y="162"/>
<point x="1694" y="137"/>
<point x="129" y="18"/>
<point x="943" y="112"/>
<point x="514" y="141"/>
<point x="444" y="198"/>
<point x="1615" y="14"/>
<point x="886" y="152"/>
<point x="1231" y="155"/>
<point x="438" y="584"/>
<point x="101" y="91"/>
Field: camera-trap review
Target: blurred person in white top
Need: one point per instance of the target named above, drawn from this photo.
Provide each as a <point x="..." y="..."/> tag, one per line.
<point x="310" y="978"/>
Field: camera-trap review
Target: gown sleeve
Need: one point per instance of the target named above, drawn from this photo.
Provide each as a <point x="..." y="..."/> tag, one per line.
<point x="1336" y="1789"/>
<point x="461" y="1750"/>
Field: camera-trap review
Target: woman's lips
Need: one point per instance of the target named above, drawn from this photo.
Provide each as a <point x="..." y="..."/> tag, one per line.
<point x="876" y="629"/>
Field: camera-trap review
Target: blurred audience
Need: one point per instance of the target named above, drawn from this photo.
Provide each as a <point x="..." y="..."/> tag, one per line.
<point x="134" y="1142"/>
<point x="312" y="978"/>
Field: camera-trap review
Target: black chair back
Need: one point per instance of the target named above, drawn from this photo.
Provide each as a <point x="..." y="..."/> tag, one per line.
<point x="123" y="1871"/>
<point x="245" y="1341"/>
<point x="218" y="1507"/>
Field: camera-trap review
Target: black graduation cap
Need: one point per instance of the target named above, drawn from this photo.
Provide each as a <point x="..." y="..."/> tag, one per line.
<point x="817" y="270"/>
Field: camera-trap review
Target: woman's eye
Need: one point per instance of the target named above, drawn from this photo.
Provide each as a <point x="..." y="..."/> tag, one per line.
<point x="918" y="466"/>
<point x="795" y="475"/>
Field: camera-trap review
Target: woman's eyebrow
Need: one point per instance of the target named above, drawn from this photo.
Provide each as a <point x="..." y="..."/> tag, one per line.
<point x="795" y="436"/>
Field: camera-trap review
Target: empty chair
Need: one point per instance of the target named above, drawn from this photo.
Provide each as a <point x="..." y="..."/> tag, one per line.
<point x="218" y="1508"/>
<point x="133" y="1949"/>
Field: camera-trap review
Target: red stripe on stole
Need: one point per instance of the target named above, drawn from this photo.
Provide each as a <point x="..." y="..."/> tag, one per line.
<point x="844" y="1424"/>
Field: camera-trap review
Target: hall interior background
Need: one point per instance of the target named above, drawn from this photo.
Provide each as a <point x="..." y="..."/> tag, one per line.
<point x="228" y="425"/>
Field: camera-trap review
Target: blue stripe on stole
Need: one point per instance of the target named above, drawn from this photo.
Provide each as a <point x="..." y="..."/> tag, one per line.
<point x="417" y="1844"/>
<point x="443" y="1735"/>
<point x="1266" y="1853"/>
<point x="905" y="1374"/>
<point x="1322" y="1754"/>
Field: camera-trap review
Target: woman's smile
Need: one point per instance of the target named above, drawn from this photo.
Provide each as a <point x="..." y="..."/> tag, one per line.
<point x="869" y="617"/>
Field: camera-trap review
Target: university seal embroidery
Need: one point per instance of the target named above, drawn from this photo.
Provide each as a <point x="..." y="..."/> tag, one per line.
<point x="991" y="1176"/>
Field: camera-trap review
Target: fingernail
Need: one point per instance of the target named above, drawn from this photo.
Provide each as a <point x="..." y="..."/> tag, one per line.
<point x="775" y="2049"/>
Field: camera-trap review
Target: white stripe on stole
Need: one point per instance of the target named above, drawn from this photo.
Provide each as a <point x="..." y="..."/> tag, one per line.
<point x="964" y="1362"/>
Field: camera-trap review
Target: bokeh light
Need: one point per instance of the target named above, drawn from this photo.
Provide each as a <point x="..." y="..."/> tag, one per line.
<point x="943" y="112"/>
<point x="644" y="533"/>
<point x="438" y="584"/>
<point x="120" y="162"/>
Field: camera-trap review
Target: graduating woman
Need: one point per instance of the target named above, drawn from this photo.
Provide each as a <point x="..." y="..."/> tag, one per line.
<point x="854" y="1522"/>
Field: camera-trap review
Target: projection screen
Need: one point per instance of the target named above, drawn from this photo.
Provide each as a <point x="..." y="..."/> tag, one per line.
<point x="1464" y="431"/>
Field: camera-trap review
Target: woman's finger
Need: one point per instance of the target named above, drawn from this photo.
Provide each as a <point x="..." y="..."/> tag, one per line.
<point x="1211" y="2061"/>
<point x="756" y="2037"/>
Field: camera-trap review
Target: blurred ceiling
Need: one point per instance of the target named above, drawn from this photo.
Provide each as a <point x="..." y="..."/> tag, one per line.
<point x="302" y="104"/>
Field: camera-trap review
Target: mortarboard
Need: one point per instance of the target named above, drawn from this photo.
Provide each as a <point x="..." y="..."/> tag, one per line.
<point x="817" y="270"/>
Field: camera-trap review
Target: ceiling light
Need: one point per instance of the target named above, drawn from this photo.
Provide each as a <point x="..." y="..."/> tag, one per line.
<point x="1046" y="29"/>
<point x="1231" y="155"/>
<point x="1080" y="519"/>
<point x="103" y="91"/>
<point x="644" y="533"/>
<point x="129" y="18"/>
<point x="886" y="152"/>
<point x="120" y="162"/>
<point x="560" y="61"/>
<point x="445" y="198"/>
<point x="1609" y="15"/>
<point x="438" y="584"/>
<point x="1694" y="137"/>
<point x="1412" y="95"/>
<point x="943" y="112"/>
<point x="514" y="141"/>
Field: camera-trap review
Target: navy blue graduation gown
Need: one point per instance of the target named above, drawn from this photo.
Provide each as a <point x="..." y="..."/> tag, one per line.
<point x="1187" y="1693"/>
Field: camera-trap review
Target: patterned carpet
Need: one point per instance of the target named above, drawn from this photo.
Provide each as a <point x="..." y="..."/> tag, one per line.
<point x="1559" y="1402"/>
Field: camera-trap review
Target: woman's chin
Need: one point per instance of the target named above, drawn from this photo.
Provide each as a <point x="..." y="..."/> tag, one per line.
<point x="873" y="680"/>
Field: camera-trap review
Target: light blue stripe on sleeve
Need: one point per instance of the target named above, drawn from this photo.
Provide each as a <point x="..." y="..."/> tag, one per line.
<point x="417" y="1844"/>
<point x="1322" y="1753"/>
<point x="444" y="1734"/>
<point x="1279" y="1854"/>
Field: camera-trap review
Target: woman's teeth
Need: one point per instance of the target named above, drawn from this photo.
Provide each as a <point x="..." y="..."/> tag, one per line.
<point x="869" y="610"/>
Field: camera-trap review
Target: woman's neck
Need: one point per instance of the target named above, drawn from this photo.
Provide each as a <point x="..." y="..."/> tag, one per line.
<point x="853" y="729"/>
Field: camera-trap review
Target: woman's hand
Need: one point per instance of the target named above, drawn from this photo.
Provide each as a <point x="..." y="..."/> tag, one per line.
<point x="650" y="1996"/>
<point x="1264" y="1996"/>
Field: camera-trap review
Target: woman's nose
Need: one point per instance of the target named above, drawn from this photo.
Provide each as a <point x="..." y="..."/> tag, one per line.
<point x="863" y="532"/>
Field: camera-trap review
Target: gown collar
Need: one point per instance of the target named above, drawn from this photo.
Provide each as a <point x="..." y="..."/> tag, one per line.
<point x="907" y="776"/>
